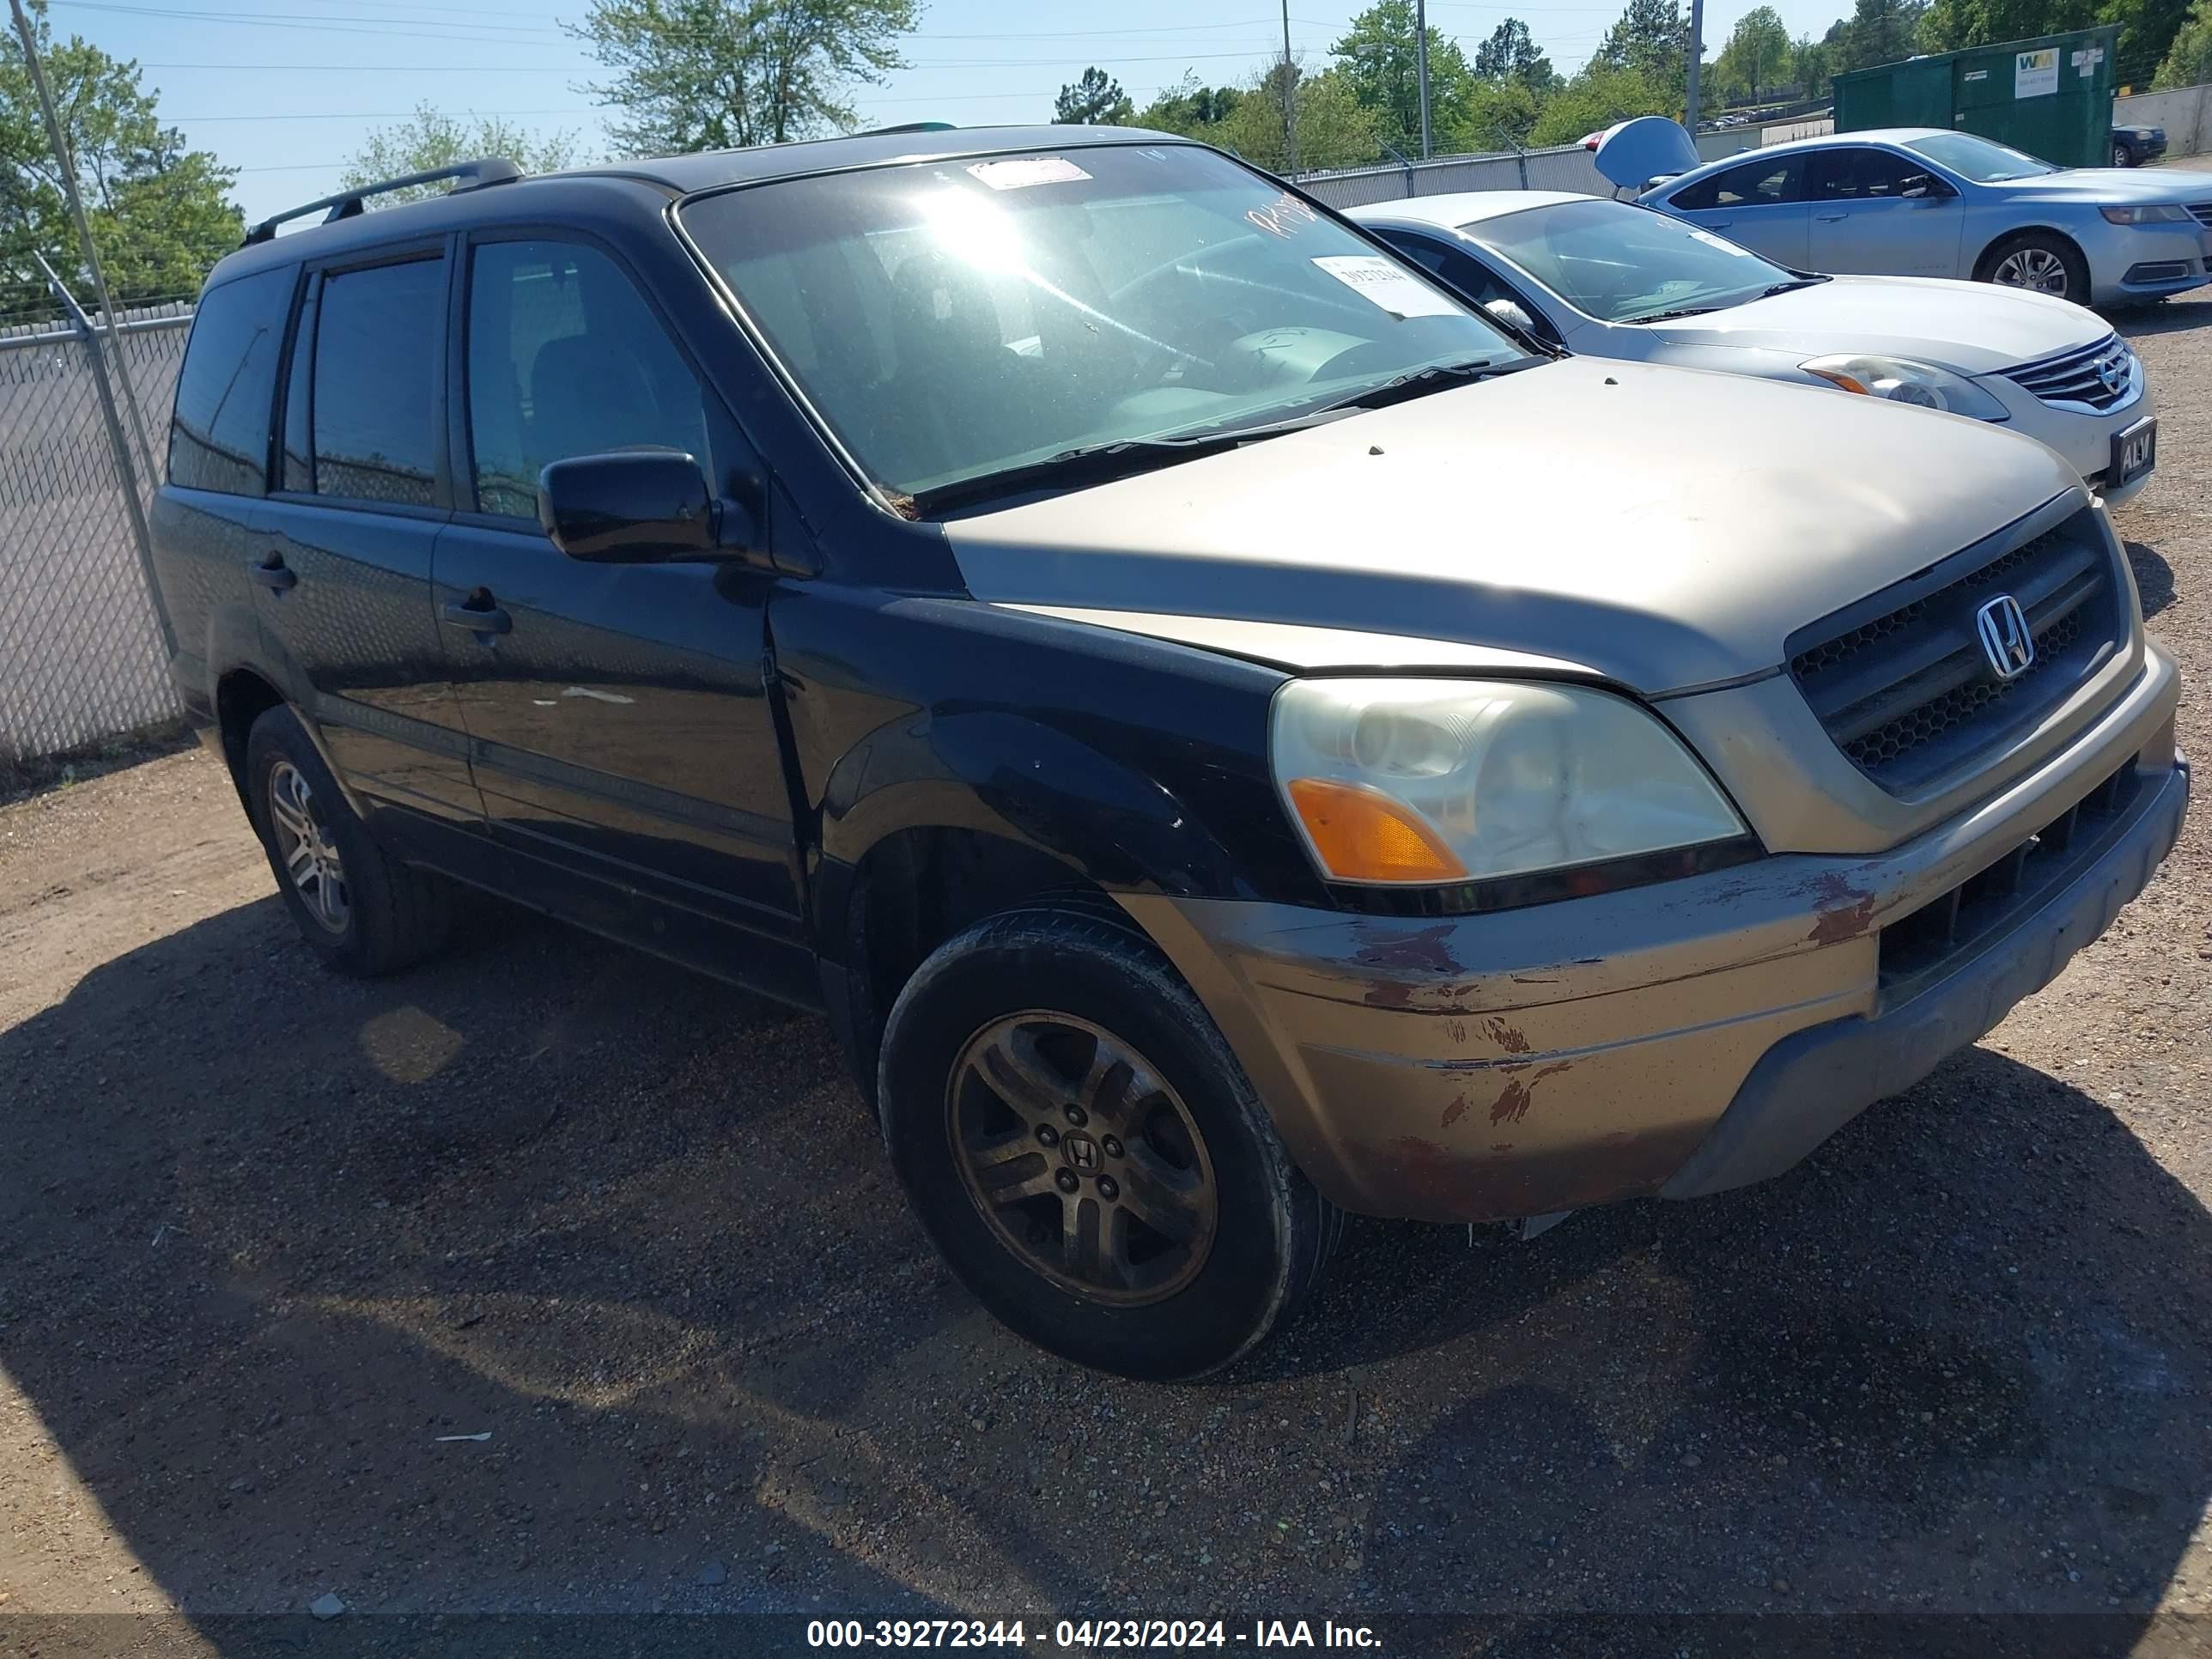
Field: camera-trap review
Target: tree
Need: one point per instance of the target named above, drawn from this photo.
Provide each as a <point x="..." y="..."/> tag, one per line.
<point x="430" y="138"/>
<point x="2189" y="60"/>
<point x="1886" y="31"/>
<point x="1335" y="129"/>
<point x="1095" y="100"/>
<point x="1756" y="57"/>
<point x="1511" y="54"/>
<point x="692" y="75"/>
<point x="1650" y="38"/>
<point x="160" y="213"/>
<point x="1378" y="60"/>
<point x="1808" y="65"/>
<point x="1598" y="97"/>
<point x="1189" y="107"/>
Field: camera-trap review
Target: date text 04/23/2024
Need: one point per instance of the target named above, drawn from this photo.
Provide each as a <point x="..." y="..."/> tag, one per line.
<point x="1086" y="1635"/>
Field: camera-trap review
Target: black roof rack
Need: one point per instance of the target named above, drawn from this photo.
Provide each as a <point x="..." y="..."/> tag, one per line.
<point x="474" y="175"/>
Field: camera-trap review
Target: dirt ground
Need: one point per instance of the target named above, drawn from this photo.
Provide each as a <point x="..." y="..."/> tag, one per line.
<point x="273" y="1238"/>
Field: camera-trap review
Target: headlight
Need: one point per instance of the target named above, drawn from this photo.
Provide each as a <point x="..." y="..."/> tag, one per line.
<point x="1435" y="781"/>
<point x="1903" y="382"/>
<point x="2155" y="213"/>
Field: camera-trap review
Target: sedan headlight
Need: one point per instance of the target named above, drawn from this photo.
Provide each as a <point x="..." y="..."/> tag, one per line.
<point x="1399" y="781"/>
<point x="1904" y="382"/>
<point x="2152" y="213"/>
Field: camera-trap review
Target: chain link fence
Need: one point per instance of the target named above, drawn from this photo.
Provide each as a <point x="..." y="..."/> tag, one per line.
<point x="82" y="658"/>
<point x="1565" y="167"/>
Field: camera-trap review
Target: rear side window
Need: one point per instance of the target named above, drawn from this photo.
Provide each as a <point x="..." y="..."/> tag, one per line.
<point x="566" y="358"/>
<point x="219" y="438"/>
<point x="378" y="342"/>
<point x="1756" y="183"/>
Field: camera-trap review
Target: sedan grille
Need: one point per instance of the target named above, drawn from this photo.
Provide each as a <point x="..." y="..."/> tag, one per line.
<point x="1903" y="683"/>
<point x="2097" y="377"/>
<point x="2204" y="212"/>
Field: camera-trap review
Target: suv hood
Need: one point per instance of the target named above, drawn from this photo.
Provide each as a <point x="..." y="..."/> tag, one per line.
<point x="1976" y="328"/>
<point x="1663" y="527"/>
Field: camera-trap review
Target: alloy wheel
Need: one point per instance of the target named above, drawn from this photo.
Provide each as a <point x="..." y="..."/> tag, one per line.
<point x="1082" y="1159"/>
<point x="304" y="846"/>
<point x="2035" y="268"/>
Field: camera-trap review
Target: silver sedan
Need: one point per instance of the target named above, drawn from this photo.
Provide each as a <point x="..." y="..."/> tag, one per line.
<point x="1922" y="202"/>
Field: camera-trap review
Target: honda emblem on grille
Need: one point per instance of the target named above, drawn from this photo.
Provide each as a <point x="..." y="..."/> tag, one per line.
<point x="2006" y="640"/>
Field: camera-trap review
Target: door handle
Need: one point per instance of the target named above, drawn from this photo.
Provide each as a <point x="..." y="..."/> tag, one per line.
<point x="273" y="575"/>
<point x="479" y="619"/>
<point x="1827" y="218"/>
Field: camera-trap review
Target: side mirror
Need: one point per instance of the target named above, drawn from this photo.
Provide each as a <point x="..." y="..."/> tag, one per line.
<point x="637" y="506"/>
<point x="1509" y="313"/>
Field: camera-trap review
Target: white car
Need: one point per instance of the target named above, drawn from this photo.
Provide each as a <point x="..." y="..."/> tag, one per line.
<point x="1612" y="279"/>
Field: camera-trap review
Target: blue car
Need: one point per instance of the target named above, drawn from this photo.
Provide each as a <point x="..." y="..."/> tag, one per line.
<point x="1922" y="202"/>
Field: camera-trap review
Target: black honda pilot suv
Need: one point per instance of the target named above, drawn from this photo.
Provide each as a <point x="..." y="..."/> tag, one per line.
<point x="1229" y="734"/>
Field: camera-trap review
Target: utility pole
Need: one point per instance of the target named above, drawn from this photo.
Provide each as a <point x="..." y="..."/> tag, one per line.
<point x="1290" y="96"/>
<point x="1421" y="66"/>
<point x="60" y="142"/>
<point x="1697" y="55"/>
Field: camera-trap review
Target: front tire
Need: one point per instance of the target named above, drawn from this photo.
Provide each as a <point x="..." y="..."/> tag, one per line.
<point x="2122" y="157"/>
<point x="1085" y="1151"/>
<point x="357" y="908"/>
<point x="2039" y="262"/>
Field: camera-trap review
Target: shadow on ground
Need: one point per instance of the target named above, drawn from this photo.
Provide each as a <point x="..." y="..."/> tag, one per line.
<point x="277" y="1233"/>
<point x="2153" y="578"/>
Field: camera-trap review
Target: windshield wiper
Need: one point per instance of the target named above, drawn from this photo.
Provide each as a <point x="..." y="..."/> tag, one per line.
<point x="1679" y="313"/>
<point x="1094" y="463"/>
<point x="1793" y="285"/>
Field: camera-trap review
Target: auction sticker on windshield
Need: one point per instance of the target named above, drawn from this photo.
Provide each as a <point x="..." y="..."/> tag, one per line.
<point x="1396" y="291"/>
<point x="1026" y="170"/>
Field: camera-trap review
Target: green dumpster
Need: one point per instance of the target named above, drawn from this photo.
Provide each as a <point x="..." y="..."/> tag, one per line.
<point x="2051" y="97"/>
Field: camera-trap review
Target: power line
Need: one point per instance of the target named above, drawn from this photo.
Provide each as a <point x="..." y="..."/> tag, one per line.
<point x="571" y="69"/>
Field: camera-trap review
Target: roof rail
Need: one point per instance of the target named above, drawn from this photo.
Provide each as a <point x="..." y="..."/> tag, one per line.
<point x="909" y="126"/>
<point x="474" y="175"/>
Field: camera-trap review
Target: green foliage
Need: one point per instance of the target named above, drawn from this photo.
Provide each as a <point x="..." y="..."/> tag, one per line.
<point x="1095" y="100"/>
<point x="1511" y="54"/>
<point x="690" y="74"/>
<point x="1334" y="129"/>
<point x="1757" y="56"/>
<point x="1651" y="39"/>
<point x="430" y="138"/>
<point x="1598" y="97"/>
<point x="1810" y="67"/>
<point x="1379" y="61"/>
<point x="2189" y="60"/>
<point x="1186" y="107"/>
<point x="160" y="213"/>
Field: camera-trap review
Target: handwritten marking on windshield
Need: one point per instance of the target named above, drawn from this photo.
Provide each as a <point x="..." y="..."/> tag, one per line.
<point x="1285" y="216"/>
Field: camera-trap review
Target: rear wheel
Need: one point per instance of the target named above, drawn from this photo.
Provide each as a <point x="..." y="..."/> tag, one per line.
<point x="1087" y="1154"/>
<point x="360" y="909"/>
<point x="2039" y="262"/>
<point x="2120" y="156"/>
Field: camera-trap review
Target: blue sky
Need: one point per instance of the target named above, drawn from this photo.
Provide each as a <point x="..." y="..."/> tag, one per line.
<point x="285" y="89"/>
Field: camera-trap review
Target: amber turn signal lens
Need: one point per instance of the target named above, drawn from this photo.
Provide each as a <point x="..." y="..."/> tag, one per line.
<point x="1362" y="835"/>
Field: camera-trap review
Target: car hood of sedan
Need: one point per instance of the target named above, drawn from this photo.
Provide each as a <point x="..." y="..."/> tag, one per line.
<point x="2109" y="187"/>
<point x="1664" y="528"/>
<point x="1974" y="327"/>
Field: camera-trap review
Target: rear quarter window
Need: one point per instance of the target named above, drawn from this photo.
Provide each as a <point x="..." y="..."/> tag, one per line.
<point x="219" y="438"/>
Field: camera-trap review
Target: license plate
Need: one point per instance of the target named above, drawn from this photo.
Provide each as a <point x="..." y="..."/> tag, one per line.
<point x="2134" y="452"/>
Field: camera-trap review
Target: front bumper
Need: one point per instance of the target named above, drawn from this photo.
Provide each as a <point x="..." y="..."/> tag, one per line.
<point x="2083" y="436"/>
<point x="1681" y="1038"/>
<point x="2145" y="262"/>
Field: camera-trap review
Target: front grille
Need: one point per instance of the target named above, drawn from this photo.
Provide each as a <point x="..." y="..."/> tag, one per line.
<point x="1919" y="949"/>
<point x="2204" y="212"/>
<point x="2095" y="377"/>
<point x="1901" y="681"/>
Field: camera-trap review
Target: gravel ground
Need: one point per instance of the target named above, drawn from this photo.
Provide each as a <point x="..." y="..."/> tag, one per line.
<point x="273" y="1237"/>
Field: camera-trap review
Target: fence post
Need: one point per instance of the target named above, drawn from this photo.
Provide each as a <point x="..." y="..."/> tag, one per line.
<point x="68" y="164"/>
<point x="126" y="474"/>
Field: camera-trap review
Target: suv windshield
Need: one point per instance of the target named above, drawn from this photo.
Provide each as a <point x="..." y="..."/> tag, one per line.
<point x="1626" y="264"/>
<point x="954" y="320"/>
<point x="1978" y="159"/>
